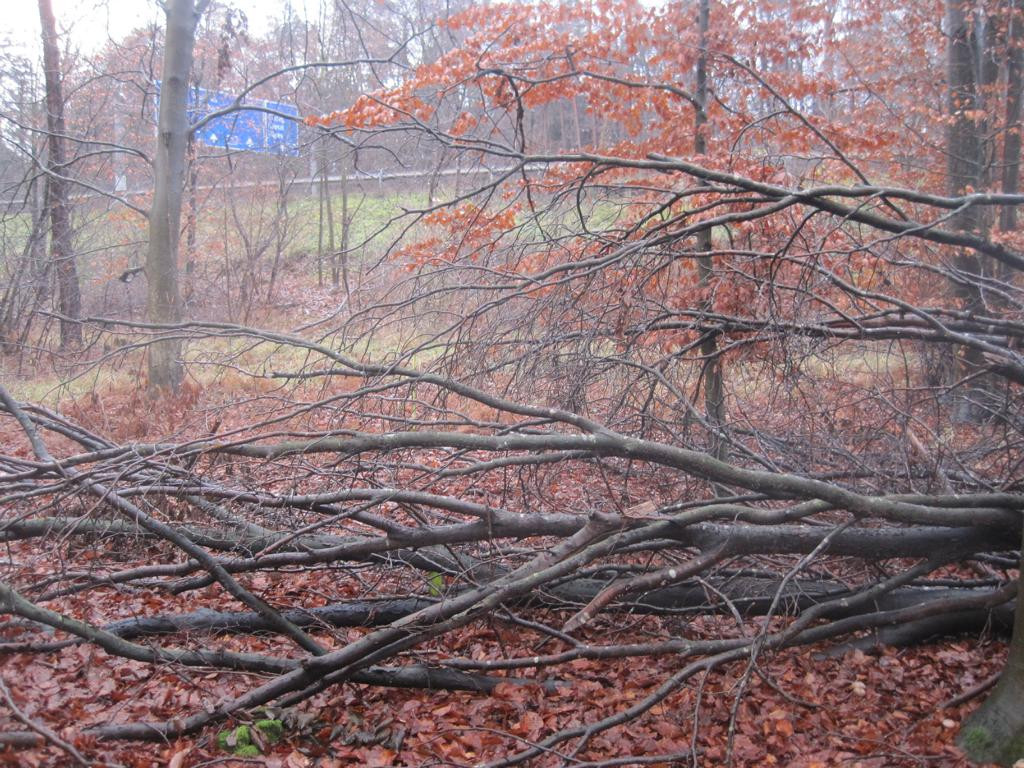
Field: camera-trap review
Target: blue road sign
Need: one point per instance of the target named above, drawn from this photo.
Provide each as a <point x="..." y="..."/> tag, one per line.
<point x="282" y="135"/>
<point x="247" y="130"/>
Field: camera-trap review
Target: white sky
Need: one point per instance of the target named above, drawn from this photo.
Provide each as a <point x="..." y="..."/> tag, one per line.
<point x="90" y="22"/>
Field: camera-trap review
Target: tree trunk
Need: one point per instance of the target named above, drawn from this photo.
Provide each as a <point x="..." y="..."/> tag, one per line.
<point x="965" y="173"/>
<point x="343" y="254"/>
<point x="329" y="214"/>
<point x="69" y="299"/>
<point x="995" y="732"/>
<point x="191" y="217"/>
<point x="714" y="392"/>
<point x="164" y="301"/>
<point x="1012" y="140"/>
<point x="323" y="193"/>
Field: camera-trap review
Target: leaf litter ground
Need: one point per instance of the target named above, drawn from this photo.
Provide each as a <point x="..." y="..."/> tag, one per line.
<point x="801" y="709"/>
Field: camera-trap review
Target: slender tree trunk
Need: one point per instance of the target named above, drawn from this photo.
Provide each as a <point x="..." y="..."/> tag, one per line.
<point x="164" y="300"/>
<point x="321" y="199"/>
<point x="343" y="254"/>
<point x="280" y="232"/>
<point x="191" y="217"/>
<point x="329" y="213"/>
<point x="577" y="125"/>
<point x="1012" y="140"/>
<point x="714" y="390"/>
<point x="69" y="299"/>
<point x="435" y="178"/>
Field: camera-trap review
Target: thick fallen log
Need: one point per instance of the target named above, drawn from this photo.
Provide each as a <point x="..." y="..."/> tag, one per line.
<point x="749" y="596"/>
<point x="430" y="549"/>
<point x="358" y="613"/>
<point x="998" y="620"/>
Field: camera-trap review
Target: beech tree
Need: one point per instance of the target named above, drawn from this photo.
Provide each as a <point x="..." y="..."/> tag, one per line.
<point x="164" y="300"/>
<point x="995" y="732"/>
<point x="635" y="403"/>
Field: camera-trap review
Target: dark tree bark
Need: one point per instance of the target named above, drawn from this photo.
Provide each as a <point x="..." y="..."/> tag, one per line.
<point x="963" y="158"/>
<point x="1014" y="88"/>
<point x="69" y="299"/>
<point x="714" y="390"/>
<point x="343" y="253"/>
<point x="750" y="596"/>
<point x="971" y="71"/>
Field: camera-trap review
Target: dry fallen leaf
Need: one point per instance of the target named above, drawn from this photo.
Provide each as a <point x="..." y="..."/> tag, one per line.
<point x="644" y="509"/>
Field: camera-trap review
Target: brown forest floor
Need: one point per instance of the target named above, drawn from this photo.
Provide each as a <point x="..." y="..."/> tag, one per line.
<point x="884" y="709"/>
<point x="801" y="709"/>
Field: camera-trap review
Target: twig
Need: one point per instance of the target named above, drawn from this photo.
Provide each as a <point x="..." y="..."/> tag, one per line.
<point x="971" y="692"/>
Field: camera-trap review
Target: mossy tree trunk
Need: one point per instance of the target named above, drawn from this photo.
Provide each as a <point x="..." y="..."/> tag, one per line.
<point x="995" y="732"/>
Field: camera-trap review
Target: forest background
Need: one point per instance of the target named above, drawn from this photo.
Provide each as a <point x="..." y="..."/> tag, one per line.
<point x="588" y="384"/>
